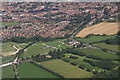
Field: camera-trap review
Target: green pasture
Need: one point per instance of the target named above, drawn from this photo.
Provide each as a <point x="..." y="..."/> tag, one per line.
<point x="7" y="72"/>
<point x="108" y="46"/>
<point x="8" y="59"/>
<point x="28" y="70"/>
<point x="7" y="47"/>
<point x="93" y="39"/>
<point x="97" y="53"/>
<point x="79" y="61"/>
<point x="65" y="69"/>
<point x="40" y="47"/>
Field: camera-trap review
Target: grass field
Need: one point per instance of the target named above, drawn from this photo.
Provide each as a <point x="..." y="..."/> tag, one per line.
<point x="79" y="61"/>
<point x="7" y="72"/>
<point x="28" y="70"/>
<point x="107" y="46"/>
<point x="9" y="23"/>
<point x="98" y="54"/>
<point x="37" y="48"/>
<point x="93" y="39"/>
<point x="8" y="59"/>
<point x="65" y="69"/>
<point x="107" y="28"/>
<point x="7" y="47"/>
<point x="58" y="44"/>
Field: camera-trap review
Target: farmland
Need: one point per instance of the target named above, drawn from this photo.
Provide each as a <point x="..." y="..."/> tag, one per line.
<point x="38" y="48"/>
<point x="101" y="28"/>
<point x="97" y="53"/>
<point x="65" y="69"/>
<point x="93" y="39"/>
<point x="107" y="46"/>
<point x="7" y="47"/>
<point x="7" y="72"/>
<point x="79" y="61"/>
<point x="8" y="59"/>
<point x="28" y="70"/>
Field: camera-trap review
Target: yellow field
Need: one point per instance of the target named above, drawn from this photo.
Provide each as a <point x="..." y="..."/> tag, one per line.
<point x="101" y="28"/>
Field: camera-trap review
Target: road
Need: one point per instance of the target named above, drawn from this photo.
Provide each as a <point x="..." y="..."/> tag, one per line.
<point x="10" y="63"/>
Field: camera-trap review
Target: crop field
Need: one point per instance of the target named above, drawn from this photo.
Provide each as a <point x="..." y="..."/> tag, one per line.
<point x="79" y="61"/>
<point x="107" y="46"/>
<point x="9" y="23"/>
<point x="101" y="28"/>
<point x="93" y="39"/>
<point x="65" y="69"/>
<point x="7" y="72"/>
<point x="28" y="70"/>
<point x="98" y="54"/>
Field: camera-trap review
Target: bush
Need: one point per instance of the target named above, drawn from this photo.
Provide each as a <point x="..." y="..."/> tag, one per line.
<point x="73" y="63"/>
<point x="73" y="57"/>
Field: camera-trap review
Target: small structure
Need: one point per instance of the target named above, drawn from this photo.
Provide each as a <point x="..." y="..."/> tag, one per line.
<point x="48" y="56"/>
<point x="73" y="42"/>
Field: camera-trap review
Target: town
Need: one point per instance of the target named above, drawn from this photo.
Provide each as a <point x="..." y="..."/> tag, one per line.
<point x="52" y="19"/>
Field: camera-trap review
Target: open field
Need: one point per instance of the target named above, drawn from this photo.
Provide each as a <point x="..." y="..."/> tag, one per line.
<point x="79" y="61"/>
<point x="9" y="23"/>
<point x="38" y="48"/>
<point x="7" y="72"/>
<point x="65" y="69"/>
<point x="101" y="28"/>
<point x="97" y="53"/>
<point x="58" y="44"/>
<point x="8" y="59"/>
<point x="7" y="47"/>
<point x="28" y="70"/>
<point x="93" y="39"/>
<point x="107" y="46"/>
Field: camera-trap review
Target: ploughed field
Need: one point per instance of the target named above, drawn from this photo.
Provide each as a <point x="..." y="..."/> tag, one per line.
<point x="107" y="28"/>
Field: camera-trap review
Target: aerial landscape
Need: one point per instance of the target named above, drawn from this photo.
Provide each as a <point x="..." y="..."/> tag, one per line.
<point x="59" y="40"/>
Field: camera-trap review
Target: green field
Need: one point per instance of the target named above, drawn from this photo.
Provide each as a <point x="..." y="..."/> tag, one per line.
<point x="65" y="69"/>
<point x="93" y="39"/>
<point x="9" y="23"/>
<point x="8" y="59"/>
<point x="79" y="61"/>
<point x="107" y="46"/>
<point x="37" y="48"/>
<point x="7" y="72"/>
<point x="7" y="47"/>
<point x="97" y="53"/>
<point x="58" y="43"/>
<point x="28" y="70"/>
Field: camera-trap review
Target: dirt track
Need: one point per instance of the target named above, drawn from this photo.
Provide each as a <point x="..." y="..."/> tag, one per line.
<point x="101" y="28"/>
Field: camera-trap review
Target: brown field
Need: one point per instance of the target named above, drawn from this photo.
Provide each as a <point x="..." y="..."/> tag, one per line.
<point x="101" y="28"/>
